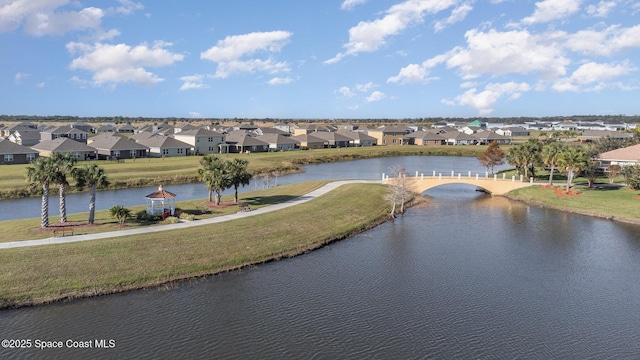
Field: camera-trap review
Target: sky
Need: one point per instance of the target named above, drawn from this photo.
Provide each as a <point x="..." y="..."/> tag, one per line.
<point x="320" y="59"/>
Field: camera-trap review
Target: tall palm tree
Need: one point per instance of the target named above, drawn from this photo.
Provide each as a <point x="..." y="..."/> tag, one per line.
<point x="41" y="172"/>
<point x="64" y="165"/>
<point x="550" y="156"/>
<point x="95" y="177"/>
<point x="239" y="175"/>
<point x="215" y="174"/>
<point x="572" y="159"/>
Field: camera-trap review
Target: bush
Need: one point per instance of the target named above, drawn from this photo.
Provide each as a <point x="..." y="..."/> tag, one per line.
<point x="186" y="216"/>
<point x="143" y="216"/>
<point x="171" y="220"/>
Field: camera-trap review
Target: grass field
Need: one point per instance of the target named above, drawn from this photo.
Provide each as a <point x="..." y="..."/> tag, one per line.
<point x="47" y="273"/>
<point x="619" y="203"/>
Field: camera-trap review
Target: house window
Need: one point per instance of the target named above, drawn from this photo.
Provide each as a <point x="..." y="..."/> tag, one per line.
<point x="31" y="157"/>
<point x="116" y="153"/>
<point x="165" y="151"/>
<point x="76" y="155"/>
<point x="180" y="151"/>
<point x="8" y="158"/>
<point x="210" y="139"/>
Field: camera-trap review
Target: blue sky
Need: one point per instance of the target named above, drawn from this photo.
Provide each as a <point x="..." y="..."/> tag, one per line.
<point x="319" y="59"/>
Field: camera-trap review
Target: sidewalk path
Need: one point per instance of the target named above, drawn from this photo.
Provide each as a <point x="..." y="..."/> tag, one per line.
<point x="111" y="234"/>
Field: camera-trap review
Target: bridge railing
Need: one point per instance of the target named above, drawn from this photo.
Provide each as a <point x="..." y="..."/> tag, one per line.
<point x="460" y="176"/>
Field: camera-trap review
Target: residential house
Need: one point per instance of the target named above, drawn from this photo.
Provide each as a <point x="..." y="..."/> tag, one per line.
<point x="477" y="124"/>
<point x="390" y="135"/>
<point x="12" y="153"/>
<point x="25" y="126"/>
<point x="459" y="138"/>
<point x="309" y="142"/>
<point x="359" y="138"/>
<point x="304" y="129"/>
<point x="25" y="137"/>
<point x="202" y="140"/>
<point x="67" y="131"/>
<point x="65" y="145"/>
<point x="127" y="129"/>
<point x="425" y="138"/>
<point x="590" y="135"/>
<point x="88" y="128"/>
<point x="165" y="146"/>
<point x="242" y="142"/>
<point x="629" y="155"/>
<point x="271" y="130"/>
<point x="284" y="127"/>
<point x="333" y="139"/>
<point x="278" y="142"/>
<point x="106" y="128"/>
<point x="487" y="137"/>
<point x="114" y="146"/>
<point x="513" y="131"/>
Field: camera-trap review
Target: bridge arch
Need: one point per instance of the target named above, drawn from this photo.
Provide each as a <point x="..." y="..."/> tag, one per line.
<point x="493" y="185"/>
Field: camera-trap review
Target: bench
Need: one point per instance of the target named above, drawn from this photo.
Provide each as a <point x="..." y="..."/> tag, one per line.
<point x="62" y="231"/>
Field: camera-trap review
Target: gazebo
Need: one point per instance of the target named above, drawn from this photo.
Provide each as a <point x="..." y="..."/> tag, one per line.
<point x="160" y="201"/>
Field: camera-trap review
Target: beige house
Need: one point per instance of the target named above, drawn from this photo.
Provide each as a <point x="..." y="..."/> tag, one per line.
<point x="65" y="145"/>
<point x="629" y="155"/>
<point x="202" y="140"/>
<point x="390" y="135"/>
<point x="309" y="142"/>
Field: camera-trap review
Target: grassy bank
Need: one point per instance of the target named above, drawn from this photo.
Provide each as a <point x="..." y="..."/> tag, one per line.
<point x="182" y="170"/>
<point x="43" y="274"/>
<point x="615" y="203"/>
<point x="27" y="229"/>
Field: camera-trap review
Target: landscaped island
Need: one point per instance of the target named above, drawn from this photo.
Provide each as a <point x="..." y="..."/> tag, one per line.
<point x="44" y="274"/>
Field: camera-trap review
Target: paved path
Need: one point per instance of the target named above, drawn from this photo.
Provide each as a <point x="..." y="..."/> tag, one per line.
<point x="145" y="230"/>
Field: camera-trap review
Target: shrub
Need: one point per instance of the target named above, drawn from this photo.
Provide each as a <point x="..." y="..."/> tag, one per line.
<point x="171" y="220"/>
<point x="186" y="216"/>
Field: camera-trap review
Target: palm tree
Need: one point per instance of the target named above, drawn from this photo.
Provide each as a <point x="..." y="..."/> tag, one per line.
<point x="550" y="156"/>
<point x="572" y="159"/>
<point x="215" y="174"/>
<point x="41" y="173"/>
<point x="95" y="177"/>
<point x="516" y="157"/>
<point x="64" y="165"/>
<point x="239" y="175"/>
<point x="120" y="213"/>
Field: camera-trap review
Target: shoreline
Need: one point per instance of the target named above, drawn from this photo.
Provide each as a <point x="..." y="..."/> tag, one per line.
<point x="544" y="205"/>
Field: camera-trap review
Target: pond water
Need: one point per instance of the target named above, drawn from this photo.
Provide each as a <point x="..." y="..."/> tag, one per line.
<point x="466" y="276"/>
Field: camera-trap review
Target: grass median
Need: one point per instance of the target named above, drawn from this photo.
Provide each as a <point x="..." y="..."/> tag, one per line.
<point x="37" y="275"/>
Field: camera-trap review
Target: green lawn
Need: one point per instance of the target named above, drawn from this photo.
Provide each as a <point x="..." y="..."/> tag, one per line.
<point x="620" y="203"/>
<point x="27" y="229"/>
<point x="46" y="273"/>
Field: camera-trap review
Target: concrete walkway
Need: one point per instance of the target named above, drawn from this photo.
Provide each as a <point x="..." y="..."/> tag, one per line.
<point x="111" y="234"/>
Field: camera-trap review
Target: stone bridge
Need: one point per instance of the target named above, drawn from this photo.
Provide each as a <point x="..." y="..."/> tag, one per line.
<point x="495" y="185"/>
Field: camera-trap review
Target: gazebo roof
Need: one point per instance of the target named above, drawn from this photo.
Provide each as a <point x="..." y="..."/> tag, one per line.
<point x="161" y="194"/>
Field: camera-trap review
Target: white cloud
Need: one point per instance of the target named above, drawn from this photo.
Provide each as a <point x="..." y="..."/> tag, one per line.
<point x="458" y="14"/>
<point x="195" y="114"/>
<point x="411" y="74"/>
<point x="346" y="92"/>
<point x="350" y="4"/>
<point x="190" y="82"/>
<point x="602" y="9"/>
<point x="484" y="100"/>
<point x="549" y="10"/>
<point x="607" y="42"/>
<point x="127" y="7"/>
<point x="518" y="52"/>
<point x="593" y="76"/>
<point x="121" y="63"/>
<point x="280" y="81"/>
<point x="19" y="76"/>
<point x="43" y="17"/>
<point x="369" y="36"/>
<point x="228" y="53"/>
<point x="365" y="87"/>
<point x="375" y="96"/>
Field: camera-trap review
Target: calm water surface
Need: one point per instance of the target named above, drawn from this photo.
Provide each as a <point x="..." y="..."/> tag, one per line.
<point x="465" y="276"/>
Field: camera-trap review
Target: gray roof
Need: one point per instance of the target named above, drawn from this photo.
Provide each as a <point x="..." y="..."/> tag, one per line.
<point x="308" y="138"/>
<point x="62" y="145"/>
<point x="164" y="142"/>
<point x="356" y="135"/>
<point x="116" y="142"/>
<point x="8" y="147"/>
<point x="277" y="139"/>
<point x="244" y="140"/>
<point x="198" y="132"/>
<point x="331" y="136"/>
